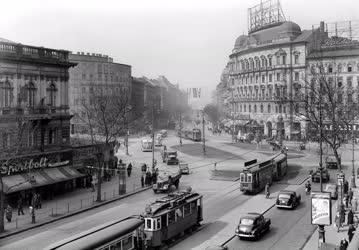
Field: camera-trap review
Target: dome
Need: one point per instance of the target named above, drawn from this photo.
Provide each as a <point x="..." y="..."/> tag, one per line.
<point x="290" y="27"/>
<point x="241" y="41"/>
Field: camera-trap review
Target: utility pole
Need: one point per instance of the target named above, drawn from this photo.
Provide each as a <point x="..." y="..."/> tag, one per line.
<point x="127" y="134"/>
<point x="180" y="128"/>
<point x="153" y="138"/>
<point x="321" y="230"/>
<point x="204" y="138"/>
<point x="352" y="182"/>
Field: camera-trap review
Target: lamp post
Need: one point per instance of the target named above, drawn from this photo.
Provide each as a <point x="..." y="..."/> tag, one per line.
<point x="204" y="138"/>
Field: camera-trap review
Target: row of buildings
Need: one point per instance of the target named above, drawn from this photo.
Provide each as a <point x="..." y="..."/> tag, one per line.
<point x="263" y="84"/>
<point x="42" y="92"/>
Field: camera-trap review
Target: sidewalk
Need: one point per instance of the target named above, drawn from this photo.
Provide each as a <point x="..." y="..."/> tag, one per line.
<point x="333" y="237"/>
<point x="73" y="202"/>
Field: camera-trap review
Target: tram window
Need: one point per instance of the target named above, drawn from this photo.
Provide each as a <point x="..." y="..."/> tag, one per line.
<point x="242" y="177"/>
<point x="164" y="221"/>
<point x="171" y="217"/>
<point x="249" y="178"/>
<point x="127" y="243"/>
<point x="115" y="246"/>
<point x="148" y="224"/>
<point x="193" y="206"/>
<point x="158" y="226"/>
<point x="187" y="209"/>
<point x="179" y="213"/>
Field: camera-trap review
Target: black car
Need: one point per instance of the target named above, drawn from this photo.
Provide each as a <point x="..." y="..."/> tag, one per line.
<point x="252" y="225"/>
<point x="316" y="175"/>
<point x="287" y="199"/>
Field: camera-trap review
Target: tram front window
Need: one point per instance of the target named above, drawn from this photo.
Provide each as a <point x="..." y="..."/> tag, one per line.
<point x="242" y="176"/>
<point x="249" y="178"/>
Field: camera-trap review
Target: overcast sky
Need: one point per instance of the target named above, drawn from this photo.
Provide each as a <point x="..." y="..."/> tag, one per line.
<point x="188" y="41"/>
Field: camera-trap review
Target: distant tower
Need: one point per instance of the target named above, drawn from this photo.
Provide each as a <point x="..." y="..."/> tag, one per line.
<point x="264" y="14"/>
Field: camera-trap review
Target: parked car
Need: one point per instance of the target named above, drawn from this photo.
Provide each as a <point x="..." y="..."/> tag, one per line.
<point x="331" y="162"/>
<point x="287" y="199"/>
<point x="316" y="175"/>
<point x="252" y="225"/>
<point x="333" y="189"/>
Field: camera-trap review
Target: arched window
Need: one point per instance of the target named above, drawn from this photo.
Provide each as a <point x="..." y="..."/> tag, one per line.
<point x="245" y="108"/>
<point x="280" y="108"/>
<point x="31" y="94"/>
<point x="249" y="108"/>
<point x="255" y="108"/>
<point x="269" y="109"/>
<point x="339" y="68"/>
<point x="7" y="94"/>
<point x="330" y="68"/>
<point x="51" y="94"/>
<point x="262" y="108"/>
<point x="349" y="68"/>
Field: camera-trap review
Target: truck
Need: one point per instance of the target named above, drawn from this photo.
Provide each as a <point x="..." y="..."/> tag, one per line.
<point x="165" y="179"/>
<point x="331" y="162"/>
<point x="170" y="157"/>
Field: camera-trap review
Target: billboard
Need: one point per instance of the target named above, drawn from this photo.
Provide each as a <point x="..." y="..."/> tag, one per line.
<point x="321" y="212"/>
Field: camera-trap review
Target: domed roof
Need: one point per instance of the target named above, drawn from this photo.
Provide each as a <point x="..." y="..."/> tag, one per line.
<point x="241" y="41"/>
<point x="290" y="27"/>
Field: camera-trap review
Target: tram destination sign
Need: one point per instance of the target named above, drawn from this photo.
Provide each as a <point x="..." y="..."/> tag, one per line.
<point x="321" y="212"/>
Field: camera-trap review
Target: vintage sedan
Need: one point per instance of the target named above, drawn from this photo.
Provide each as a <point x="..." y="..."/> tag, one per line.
<point x="333" y="190"/>
<point x="287" y="199"/>
<point x="252" y="225"/>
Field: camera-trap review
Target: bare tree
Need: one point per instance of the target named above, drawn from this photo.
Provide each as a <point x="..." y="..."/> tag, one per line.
<point x="106" y="117"/>
<point x="213" y="113"/>
<point x="15" y="143"/>
<point x="327" y="104"/>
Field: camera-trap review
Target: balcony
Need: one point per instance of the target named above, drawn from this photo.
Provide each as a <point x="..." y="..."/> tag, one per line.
<point x="38" y="112"/>
<point x="32" y="53"/>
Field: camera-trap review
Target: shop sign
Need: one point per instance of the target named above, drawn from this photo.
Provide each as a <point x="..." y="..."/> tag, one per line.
<point x="321" y="212"/>
<point x="24" y="166"/>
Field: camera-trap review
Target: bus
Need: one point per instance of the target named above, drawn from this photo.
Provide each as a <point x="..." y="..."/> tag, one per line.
<point x="147" y="145"/>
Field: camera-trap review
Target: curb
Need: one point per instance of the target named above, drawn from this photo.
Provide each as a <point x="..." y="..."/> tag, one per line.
<point x="5" y="235"/>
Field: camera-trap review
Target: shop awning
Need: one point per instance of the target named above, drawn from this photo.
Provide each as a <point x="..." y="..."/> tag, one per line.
<point x="43" y="177"/>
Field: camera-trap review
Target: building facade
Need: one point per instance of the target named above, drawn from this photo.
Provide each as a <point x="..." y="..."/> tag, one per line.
<point x="94" y="74"/>
<point x="35" y="120"/>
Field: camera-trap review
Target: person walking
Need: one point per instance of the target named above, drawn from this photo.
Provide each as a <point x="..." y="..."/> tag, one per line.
<point x="129" y="169"/>
<point x="142" y="181"/>
<point x="342" y="215"/>
<point x="20" y="206"/>
<point x="32" y="214"/>
<point x="350" y="217"/>
<point x="355" y="204"/>
<point x="345" y="187"/>
<point x="267" y="190"/>
<point x="345" y="244"/>
<point x="8" y="213"/>
<point x="351" y="232"/>
<point x="338" y="221"/>
<point x="144" y="168"/>
<point x="350" y="194"/>
<point x="39" y="201"/>
<point x="154" y="177"/>
<point x="346" y="200"/>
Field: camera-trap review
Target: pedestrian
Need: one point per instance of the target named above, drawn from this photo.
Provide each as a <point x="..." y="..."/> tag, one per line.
<point x="338" y="221"/>
<point x="20" y="206"/>
<point x="32" y="214"/>
<point x="345" y="244"/>
<point x="8" y="213"/>
<point x="39" y="201"/>
<point x="129" y="169"/>
<point x="341" y="245"/>
<point x="346" y="200"/>
<point x="148" y="178"/>
<point x="342" y="214"/>
<point x="345" y="187"/>
<point x="154" y="177"/>
<point x="356" y="221"/>
<point x="351" y="232"/>
<point x="144" y="168"/>
<point x="33" y="200"/>
<point x="267" y="190"/>
<point x="350" y="193"/>
<point x="142" y="181"/>
<point x="350" y="219"/>
<point x="92" y="184"/>
<point x="355" y="204"/>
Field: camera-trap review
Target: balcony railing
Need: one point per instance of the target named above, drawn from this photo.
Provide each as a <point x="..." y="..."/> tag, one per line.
<point x="12" y="49"/>
<point x="38" y="110"/>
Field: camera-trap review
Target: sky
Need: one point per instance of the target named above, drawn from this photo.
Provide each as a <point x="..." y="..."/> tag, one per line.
<point x="188" y="41"/>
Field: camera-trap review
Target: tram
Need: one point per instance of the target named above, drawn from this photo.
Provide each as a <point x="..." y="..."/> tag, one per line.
<point x="170" y="216"/>
<point x="194" y="134"/>
<point x="125" y="234"/>
<point x="256" y="175"/>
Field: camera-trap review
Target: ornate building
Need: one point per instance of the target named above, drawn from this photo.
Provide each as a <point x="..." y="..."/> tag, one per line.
<point x="34" y="120"/>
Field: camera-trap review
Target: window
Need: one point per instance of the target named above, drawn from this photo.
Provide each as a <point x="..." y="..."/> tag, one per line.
<point x="256" y="79"/>
<point x="179" y="213"/>
<point x="148" y="224"/>
<point x="349" y="68"/>
<point x="284" y="57"/>
<point x="270" y="77"/>
<point x="284" y="109"/>
<point x="171" y="217"/>
<point x="31" y="139"/>
<point x="31" y="94"/>
<point x="296" y="76"/>
<point x="83" y="76"/>
<point x="278" y="76"/>
<point x="330" y="69"/>
<point x="349" y="81"/>
<point x="262" y="110"/>
<point x="255" y="108"/>
<point x="187" y="209"/>
<point x="268" y="108"/>
<point x="52" y="136"/>
<point x="350" y="98"/>
<point x="270" y="61"/>
<point x="296" y="59"/>
<point x="245" y="108"/>
<point x="280" y="108"/>
<point x="249" y="108"/>
<point x="263" y="79"/>
<point x="51" y="95"/>
<point x="8" y="94"/>
<point x="278" y="60"/>
<point x="339" y="68"/>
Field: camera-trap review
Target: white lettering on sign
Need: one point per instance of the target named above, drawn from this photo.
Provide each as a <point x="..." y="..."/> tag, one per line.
<point x="29" y="165"/>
